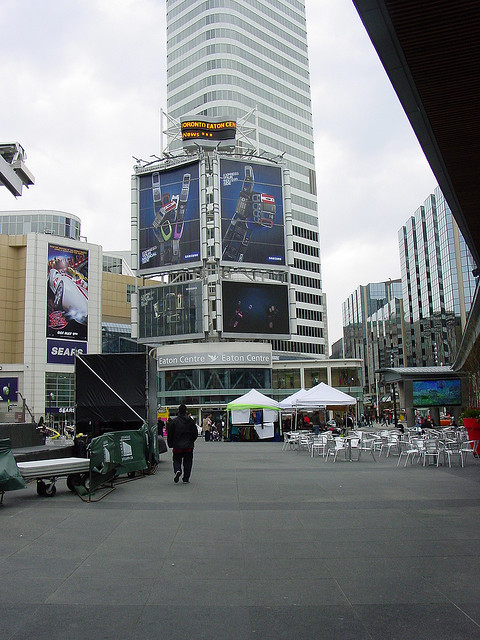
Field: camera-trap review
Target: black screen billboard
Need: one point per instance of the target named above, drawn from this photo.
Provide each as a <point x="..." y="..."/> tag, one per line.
<point x="170" y="310"/>
<point x="169" y="218"/>
<point x="255" y="309"/>
<point x="252" y="214"/>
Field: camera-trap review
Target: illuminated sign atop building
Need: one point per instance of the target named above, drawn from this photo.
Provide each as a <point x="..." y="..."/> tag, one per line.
<point x="208" y="132"/>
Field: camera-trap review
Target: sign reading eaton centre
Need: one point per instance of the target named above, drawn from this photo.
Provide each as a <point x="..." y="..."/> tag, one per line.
<point x="214" y="359"/>
<point x="208" y="132"/>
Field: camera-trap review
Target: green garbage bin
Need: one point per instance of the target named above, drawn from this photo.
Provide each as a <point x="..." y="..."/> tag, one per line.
<point x="10" y="477"/>
<point x="125" y="450"/>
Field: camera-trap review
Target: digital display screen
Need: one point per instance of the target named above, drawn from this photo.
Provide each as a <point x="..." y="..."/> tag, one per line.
<point x="169" y="218"/>
<point x="202" y="130"/>
<point x="170" y="310"/>
<point x="252" y="214"/>
<point x="255" y="309"/>
<point x="436" y="393"/>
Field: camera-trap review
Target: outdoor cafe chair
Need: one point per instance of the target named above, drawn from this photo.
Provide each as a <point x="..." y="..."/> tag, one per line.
<point x="408" y="450"/>
<point x="391" y="442"/>
<point x="339" y="445"/>
<point x="367" y="445"/>
<point x="449" y="449"/>
<point x="430" y="450"/>
<point x="319" y="445"/>
<point x="290" y="440"/>
<point x="448" y="433"/>
<point x="468" y="447"/>
<point x="304" y="442"/>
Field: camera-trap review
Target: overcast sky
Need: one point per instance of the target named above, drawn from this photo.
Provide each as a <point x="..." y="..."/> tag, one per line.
<point x="83" y="82"/>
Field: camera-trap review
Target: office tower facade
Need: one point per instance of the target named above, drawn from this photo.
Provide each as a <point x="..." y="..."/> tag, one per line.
<point x="361" y="313"/>
<point x="248" y="61"/>
<point x="438" y="283"/>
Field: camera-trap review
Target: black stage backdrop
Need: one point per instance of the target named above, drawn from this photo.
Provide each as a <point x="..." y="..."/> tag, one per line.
<point x="133" y="376"/>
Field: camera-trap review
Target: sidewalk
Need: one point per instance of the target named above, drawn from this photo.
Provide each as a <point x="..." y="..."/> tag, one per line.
<point x="262" y="544"/>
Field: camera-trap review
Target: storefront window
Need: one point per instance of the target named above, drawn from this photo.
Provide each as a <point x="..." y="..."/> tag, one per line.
<point x="288" y="379"/>
<point x="314" y="377"/>
<point x="210" y="386"/>
<point x="59" y="398"/>
<point x="346" y="377"/>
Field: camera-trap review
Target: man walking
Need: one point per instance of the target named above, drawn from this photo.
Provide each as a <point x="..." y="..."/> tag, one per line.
<point x="181" y="436"/>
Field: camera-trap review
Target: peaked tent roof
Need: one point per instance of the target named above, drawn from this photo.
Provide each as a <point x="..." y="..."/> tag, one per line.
<point x="253" y="400"/>
<point x="323" y="396"/>
<point x="289" y="402"/>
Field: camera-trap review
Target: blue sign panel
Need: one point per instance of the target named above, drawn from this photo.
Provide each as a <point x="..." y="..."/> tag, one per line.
<point x="8" y="389"/>
<point x="63" y="351"/>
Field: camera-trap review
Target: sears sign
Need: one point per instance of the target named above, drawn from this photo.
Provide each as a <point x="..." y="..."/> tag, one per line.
<point x="63" y="351"/>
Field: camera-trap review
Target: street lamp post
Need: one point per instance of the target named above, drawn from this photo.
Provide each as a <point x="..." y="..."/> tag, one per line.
<point x="51" y="396"/>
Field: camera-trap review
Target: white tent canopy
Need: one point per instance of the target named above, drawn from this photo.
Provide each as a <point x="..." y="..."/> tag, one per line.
<point x="289" y="403"/>
<point x="250" y="401"/>
<point x="322" y="396"/>
<point x="253" y="400"/>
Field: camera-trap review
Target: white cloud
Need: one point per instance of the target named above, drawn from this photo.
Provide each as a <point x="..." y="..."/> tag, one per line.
<point x="83" y="82"/>
<point x="371" y="172"/>
<point x="85" y="87"/>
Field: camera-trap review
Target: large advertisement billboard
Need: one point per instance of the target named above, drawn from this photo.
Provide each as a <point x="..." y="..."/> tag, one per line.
<point x="67" y="293"/>
<point x="170" y="310"/>
<point x="255" y="309"/>
<point x="437" y="393"/>
<point x="252" y="213"/>
<point x="169" y="218"/>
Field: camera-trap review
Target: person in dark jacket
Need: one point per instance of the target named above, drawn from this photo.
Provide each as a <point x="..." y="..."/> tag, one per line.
<point x="181" y="435"/>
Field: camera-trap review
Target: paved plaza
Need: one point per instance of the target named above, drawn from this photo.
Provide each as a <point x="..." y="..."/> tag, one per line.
<point x="262" y="544"/>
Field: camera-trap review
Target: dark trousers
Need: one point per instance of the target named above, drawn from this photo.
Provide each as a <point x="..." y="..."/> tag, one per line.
<point x="207" y="436"/>
<point x="185" y="457"/>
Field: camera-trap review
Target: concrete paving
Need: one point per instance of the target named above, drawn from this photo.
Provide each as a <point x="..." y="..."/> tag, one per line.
<point x="263" y="543"/>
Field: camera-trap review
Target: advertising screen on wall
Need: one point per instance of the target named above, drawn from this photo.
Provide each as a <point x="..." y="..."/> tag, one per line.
<point x="255" y="309"/>
<point x="8" y="389"/>
<point x="170" y="310"/>
<point x="252" y="213"/>
<point x="436" y="393"/>
<point x="67" y="293"/>
<point x="169" y="218"/>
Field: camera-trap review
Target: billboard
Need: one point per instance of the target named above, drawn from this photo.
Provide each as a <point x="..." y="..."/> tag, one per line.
<point x="64" y="352"/>
<point x="436" y="393"/>
<point x="252" y="213"/>
<point x="67" y="293"/>
<point x="255" y="309"/>
<point x="170" y="310"/>
<point x="169" y="218"/>
<point x="209" y="132"/>
<point x="115" y="391"/>
<point x="8" y="389"/>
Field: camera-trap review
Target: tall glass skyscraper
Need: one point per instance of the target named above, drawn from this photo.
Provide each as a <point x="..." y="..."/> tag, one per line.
<point x="227" y="58"/>
<point x="438" y="283"/>
<point x="363" y="312"/>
